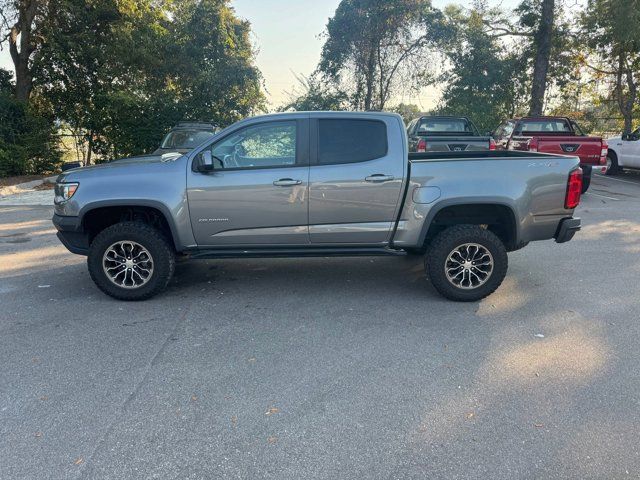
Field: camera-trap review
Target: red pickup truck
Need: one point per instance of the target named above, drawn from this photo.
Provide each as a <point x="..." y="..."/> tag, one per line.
<point x="558" y="135"/>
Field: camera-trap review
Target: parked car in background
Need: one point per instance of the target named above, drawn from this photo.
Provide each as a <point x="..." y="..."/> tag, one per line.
<point x="558" y="135"/>
<point x="316" y="184"/>
<point x="185" y="136"/>
<point x="439" y="133"/>
<point x="624" y="152"/>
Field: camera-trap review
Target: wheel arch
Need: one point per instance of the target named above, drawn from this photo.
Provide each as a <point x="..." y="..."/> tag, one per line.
<point x="96" y="216"/>
<point x="498" y="214"/>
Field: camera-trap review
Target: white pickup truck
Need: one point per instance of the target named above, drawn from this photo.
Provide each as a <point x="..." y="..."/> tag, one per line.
<point x="624" y="152"/>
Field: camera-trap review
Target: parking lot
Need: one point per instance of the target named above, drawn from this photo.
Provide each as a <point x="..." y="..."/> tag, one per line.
<point x="326" y="368"/>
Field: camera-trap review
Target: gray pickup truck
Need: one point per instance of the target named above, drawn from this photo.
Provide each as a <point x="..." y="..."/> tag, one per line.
<point x="297" y="184"/>
<point x="441" y="133"/>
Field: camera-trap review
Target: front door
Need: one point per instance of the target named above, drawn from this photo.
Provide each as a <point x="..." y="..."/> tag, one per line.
<point x="355" y="180"/>
<point x="631" y="150"/>
<point x="257" y="193"/>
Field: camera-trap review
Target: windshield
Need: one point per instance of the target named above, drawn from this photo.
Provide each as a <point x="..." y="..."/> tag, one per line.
<point x="444" y="126"/>
<point x="185" y="139"/>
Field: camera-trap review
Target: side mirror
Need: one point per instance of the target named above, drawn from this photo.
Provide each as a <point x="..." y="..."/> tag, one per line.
<point x="625" y="136"/>
<point x="205" y="162"/>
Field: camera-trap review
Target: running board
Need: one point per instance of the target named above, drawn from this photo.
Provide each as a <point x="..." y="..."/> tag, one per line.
<point x="295" y="252"/>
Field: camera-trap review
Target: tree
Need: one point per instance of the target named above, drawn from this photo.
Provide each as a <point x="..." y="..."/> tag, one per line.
<point x="541" y="33"/>
<point x="122" y="72"/>
<point x="612" y="30"/>
<point x="315" y="96"/>
<point x="22" y="19"/>
<point x="407" y="111"/>
<point x="543" y="40"/>
<point x="28" y="144"/>
<point x="370" y="45"/>
<point x="482" y="82"/>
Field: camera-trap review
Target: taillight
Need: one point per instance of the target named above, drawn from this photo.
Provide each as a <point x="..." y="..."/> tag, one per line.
<point x="422" y="146"/>
<point x="574" y="189"/>
<point x="533" y="145"/>
<point x="492" y="144"/>
<point x="604" y="152"/>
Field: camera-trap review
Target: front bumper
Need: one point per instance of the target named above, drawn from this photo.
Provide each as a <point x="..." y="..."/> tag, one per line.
<point x="71" y="234"/>
<point x="567" y="229"/>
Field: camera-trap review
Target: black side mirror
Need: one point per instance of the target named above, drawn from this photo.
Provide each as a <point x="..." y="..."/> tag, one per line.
<point x="626" y="136"/>
<point x="205" y="161"/>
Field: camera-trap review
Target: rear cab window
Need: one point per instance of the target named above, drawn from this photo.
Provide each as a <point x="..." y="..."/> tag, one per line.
<point x="544" y="126"/>
<point x="444" y="126"/>
<point x="351" y="141"/>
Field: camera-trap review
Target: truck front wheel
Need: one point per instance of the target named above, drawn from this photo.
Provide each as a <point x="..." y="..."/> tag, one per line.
<point x="466" y="263"/>
<point x="131" y="261"/>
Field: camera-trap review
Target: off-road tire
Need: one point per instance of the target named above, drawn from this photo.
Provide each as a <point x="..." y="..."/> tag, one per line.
<point x="450" y="239"/>
<point x="145" y="235"/>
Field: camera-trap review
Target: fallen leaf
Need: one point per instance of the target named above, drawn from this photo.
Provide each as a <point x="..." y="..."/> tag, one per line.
<point x="234" y="420"/>
<point x="252" y="360"/>
<point x="44" y="397"/>
<point x="272" y="440"/>
<point x="471" y="415"/>
<point x="37" y="434"/>
<point x="272" y="410"/>
<point x="538" y="425"/>
<point x="194" y="398"/>
<point x="78" y="461"/>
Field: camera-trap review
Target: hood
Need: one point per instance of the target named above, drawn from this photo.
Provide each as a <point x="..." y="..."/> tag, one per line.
<point x="116" y="166"/>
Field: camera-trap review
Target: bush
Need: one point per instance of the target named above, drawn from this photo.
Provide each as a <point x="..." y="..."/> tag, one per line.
<point x="28" y="142"/>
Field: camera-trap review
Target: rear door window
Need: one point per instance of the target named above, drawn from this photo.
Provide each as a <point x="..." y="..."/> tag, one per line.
<point x="351" y="141"/>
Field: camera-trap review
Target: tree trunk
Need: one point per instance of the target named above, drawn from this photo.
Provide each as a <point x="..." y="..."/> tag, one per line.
<point x="21" y="35"/>
<point x="370" y="78"/>
<point x="626" y="101"/>
<point x="543" y="42"/>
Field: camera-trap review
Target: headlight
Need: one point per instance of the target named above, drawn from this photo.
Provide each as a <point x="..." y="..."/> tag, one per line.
<point x="64" y="191"/>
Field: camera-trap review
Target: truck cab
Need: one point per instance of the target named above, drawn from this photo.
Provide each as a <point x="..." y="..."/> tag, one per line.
<point x="624" y="152"/>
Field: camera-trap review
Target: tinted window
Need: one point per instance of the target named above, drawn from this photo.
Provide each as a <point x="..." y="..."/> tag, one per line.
<point x="350" y="141"/>
<point x="443" y="125"/>
<point x="550" y="126"/>
<point x="266" y="145"/>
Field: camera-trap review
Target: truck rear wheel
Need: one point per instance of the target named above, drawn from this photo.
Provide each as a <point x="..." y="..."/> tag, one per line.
<point x="466" y="263"/>
<point x="131" y="261"/>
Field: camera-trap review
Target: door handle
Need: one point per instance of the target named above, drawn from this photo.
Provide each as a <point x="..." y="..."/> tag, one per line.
<point x="287" y="182"/>
<point x="379" y="178"/>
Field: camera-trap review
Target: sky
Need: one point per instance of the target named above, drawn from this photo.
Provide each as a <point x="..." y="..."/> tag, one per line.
<point x="287" y="35"/>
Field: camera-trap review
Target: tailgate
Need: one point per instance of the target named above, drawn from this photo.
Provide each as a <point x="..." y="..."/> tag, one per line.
<point x="456" y="143"/>
<point x="588" y="149"/>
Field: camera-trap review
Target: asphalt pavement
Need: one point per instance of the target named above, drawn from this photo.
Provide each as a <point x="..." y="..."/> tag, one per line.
<point x="326" y="368"/>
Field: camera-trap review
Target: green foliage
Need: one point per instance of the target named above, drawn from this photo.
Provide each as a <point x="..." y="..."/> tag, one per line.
<point x="316" y="96"/>
<point x="611" y="28"/>
<point x="374" y="48"/>
<point x="408" y="112"/>
<point x="125" y="71"/>
<point x="481" y="83"/>
<point x="27" y="136"/>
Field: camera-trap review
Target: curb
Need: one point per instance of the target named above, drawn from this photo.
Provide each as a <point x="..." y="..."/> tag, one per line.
<point x="25" y="187"/>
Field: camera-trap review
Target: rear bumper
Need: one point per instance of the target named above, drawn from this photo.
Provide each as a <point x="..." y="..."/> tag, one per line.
<point x="71" y="234"/>
<point x="567" y="229"/>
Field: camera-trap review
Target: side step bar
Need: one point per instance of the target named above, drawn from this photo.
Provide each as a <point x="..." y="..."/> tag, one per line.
<point x="295" y="252"/>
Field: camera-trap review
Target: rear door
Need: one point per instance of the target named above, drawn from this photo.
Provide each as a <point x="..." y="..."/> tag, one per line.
<point x="257" y="194"/>
<point x="358" y="166"/>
